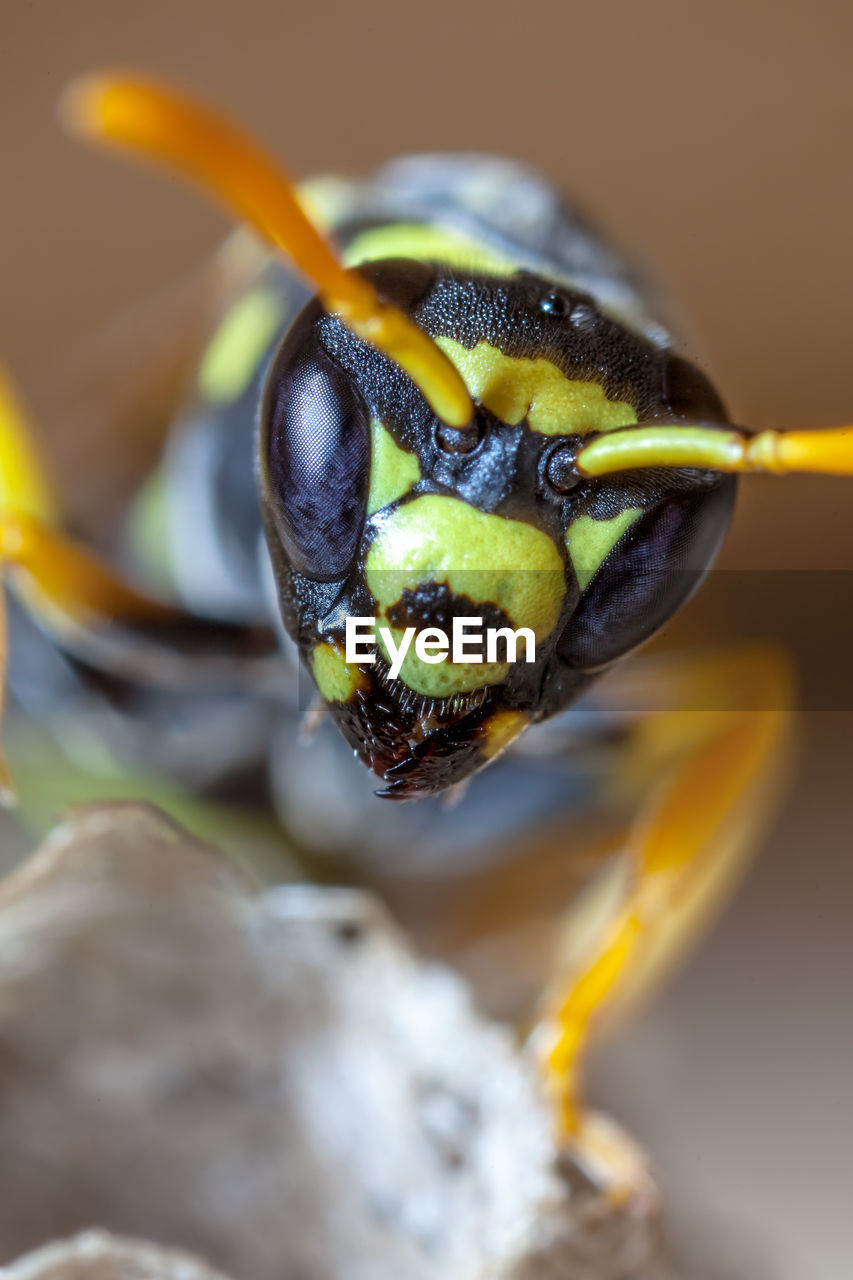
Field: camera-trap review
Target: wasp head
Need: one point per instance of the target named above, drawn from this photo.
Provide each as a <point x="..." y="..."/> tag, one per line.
<point x="500" y="580"/>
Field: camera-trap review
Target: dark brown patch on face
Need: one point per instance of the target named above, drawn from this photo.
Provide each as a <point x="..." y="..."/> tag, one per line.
<point x="433" y="604"/>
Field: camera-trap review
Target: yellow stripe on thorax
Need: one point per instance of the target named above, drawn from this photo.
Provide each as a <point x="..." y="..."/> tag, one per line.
<point x="236" y="348"/>
<point x="517" y="387"/>
<point x="426" y="244"/>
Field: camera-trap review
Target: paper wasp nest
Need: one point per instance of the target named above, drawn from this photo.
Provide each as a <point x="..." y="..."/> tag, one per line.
<point x="268" y="1079"/>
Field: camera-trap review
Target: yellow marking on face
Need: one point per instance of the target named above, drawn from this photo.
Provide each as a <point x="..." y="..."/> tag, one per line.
<point x="590" y="542"/>
<point x="236" y="348"/>
<point x="336" y="679"/>
<point x="393" y="471"/>
<point x="490" y="559"/>
<point x="515" y="387"/>
<point x="426" y="244"/>
<point x="487" y="558"/>
<point x="442" y="679"/>
<point x="501" y="729"/>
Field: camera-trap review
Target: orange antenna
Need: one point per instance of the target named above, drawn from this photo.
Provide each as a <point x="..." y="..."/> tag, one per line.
<point x="826" y="450"/>
<point x="219" y="157"/>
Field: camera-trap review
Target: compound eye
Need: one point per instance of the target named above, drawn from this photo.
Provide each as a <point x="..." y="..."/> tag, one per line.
<point x="315" y="455"/>
<point x="654" y="568"/>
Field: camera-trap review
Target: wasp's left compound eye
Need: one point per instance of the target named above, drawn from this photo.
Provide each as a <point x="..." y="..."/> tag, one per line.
<point x="315" y="462"/>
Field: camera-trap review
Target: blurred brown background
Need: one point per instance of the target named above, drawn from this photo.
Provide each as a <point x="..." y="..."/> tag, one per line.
<point x="714" y="142"/>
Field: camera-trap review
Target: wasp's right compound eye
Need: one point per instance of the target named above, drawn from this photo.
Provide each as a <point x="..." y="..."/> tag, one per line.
<point x="315" y="460"/>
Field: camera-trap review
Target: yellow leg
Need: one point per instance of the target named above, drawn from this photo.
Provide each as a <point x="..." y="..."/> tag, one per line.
<point x="61" y="580"/>
<point x="682" y="854"/>
<point x="68" y="579"/>
<point x="24" y="486"/>
<point x="65" y="584"/>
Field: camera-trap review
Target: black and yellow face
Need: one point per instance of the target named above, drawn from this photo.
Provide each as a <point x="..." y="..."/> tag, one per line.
<point x="376" y="509"/>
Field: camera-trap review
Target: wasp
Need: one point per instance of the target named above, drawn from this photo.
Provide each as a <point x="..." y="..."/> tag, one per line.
<point x="438" y="397"/>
